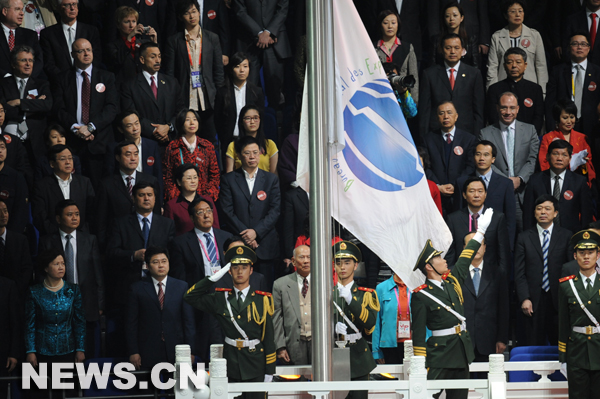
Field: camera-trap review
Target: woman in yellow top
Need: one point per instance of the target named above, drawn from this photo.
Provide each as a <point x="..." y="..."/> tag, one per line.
<point x="249" y="124"/>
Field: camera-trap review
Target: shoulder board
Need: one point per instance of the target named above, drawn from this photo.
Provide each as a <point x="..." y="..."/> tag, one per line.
<point x="566" y="278"/>
<point x="419" y="288"/>
<point x="223" y="289"/>
<point x="366" y="289"/>
<point x="263" y="293"/>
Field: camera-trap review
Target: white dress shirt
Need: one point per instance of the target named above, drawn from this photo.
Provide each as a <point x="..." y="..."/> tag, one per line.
<point x="7" y="30"/>
<point x="73" y="240"/>
<point x="574" y="72"/>
<point x="250" y="180"/>
<point x="148" y="76"/>
<point x="125" y="176"/>
<point x="583" y="278"/>
<point x="73" y="29"/>
<point x="480" y="267"/>
<point x="79" y="79"/>
<point x="240" y="102"/>
<point x="140" y="167"/>
<point x="204" y="249"/>
<point x="455" y="67"/>
<point x="141" y="218"/>
<point x="164" y="287"/>
<point x="301" y="281"/>
<point x="561" y="181"/>
<point x="65" y="185"/>
<point x="244" y="293"/>
<point x="486" y="178"/>
<point x="541" y="233"/>
<point x="589" y="20"/>
<point x="438" y="283"/>
<point x="451" y="133"/>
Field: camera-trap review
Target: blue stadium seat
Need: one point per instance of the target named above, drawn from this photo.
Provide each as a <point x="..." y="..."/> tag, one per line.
<point x="529" y="376"/>
<point x="533" y="349"/>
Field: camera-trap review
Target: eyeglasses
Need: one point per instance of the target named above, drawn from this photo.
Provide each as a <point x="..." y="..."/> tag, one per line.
<point x="63" y="159"/>
<point x="579" y="44"/>
<point x="29" y="60"/>
<point x="251" y="118"/>
<point x="203" y="212"/>
<point x="69" y="5"/>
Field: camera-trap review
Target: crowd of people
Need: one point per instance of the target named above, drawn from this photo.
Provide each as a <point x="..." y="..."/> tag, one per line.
<point x="122" y="172"/>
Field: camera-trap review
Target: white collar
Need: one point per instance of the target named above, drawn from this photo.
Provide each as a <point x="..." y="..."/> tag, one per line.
<point x="592" y="277"/>
<point x="7" y="30"/>
<point x="301" y="279"/>
<point x="88" y="70"/>
<point x="247" y="175"/>
<point x="480" y="267"/>
<point x="164" y="282"/>
<point x="64" y="182"/>
<point x="140" y="217"/>
<point x="63" y="235"/>
<point x="582" y="63"/>
<point x="513" y="125"/>
<point x="541" y="230"/>
<point x="240" y="88"/>
<point x="244" y="291"/>
<point x="451" y="133"/>
<point x="480" y="212"/>
<point x="124" y="175"/>
<point x="455" y="67"/>
<point x="65" y="27"/>
<point x="562" y="174"/>
<point x="201" y="233"/>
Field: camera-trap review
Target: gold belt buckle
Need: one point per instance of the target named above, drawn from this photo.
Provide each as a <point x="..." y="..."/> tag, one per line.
<point x="589" y="330"/>
<point x="239" y="343"/>
<point x="457" y="329"/>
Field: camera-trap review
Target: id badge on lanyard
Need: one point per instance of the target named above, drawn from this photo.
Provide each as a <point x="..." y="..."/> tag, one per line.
<point x="403" y="331"/>
<point x="216" y="266"/>
<point x="196" y="79"/>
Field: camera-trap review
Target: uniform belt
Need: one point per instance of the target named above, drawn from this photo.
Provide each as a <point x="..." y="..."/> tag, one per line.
<point x="589" y="330"/>
<point x="353" y="338"/>
<point x="243" y="343"/>
<point x="450" y="331"/>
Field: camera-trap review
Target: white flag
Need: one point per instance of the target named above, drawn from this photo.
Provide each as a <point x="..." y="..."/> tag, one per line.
<point x="379" y="189"/>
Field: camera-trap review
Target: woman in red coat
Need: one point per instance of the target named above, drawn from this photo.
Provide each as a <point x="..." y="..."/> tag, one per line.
<point x="190" y="148"/>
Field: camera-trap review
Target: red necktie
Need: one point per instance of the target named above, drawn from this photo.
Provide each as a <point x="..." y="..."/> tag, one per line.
<point x="11" y="40"/>
<point x="85" y="99"/>
<point x="153" y="87"/>
<point x="161" y="295"/>
<point x="304" y="287"/>
<point x="593" y="29"/>
<point x="129" y="186"/>
<point x="448" y="138"/>
<point x="474" y="217"/>
<point x="452" y="78"/>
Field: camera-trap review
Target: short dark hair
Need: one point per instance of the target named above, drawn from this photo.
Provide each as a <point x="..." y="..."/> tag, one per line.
<point x="448" y="36"/>
<point x="423" y="153"/>
<point x="50" y="128"/>
<point x="146" y="46"/>
<point x="563" y="105"/>
<point x="181" y="169"/>
<point x="45" y="257"/>
<point x="196" y="201"/>
<point x="488" y="143"/>
<point x="515" y="51"/>
<point x="154" y="250"/>
<point x="125" y="114"/>
<point x="473" y="180"/>
<point x="260" y="134"/>
<point x="60" y="207"/>
<point x="3" y="140"/>
<point x="231" y="240"/>
<point x="20" y="49"/>
<point x="142" y="185"/>
<point x="580" y="33"/>
<point x="119" y="148"/>
<point x="546" y="197"/>
<point x="182" y="6"/>
<point x="55" y="150"/>
<point x="509" y="3"/>
<point x="180" y="121"/>
<point x="560" y="144"/>
<point x="245" y="141"/>
<point x="388" y="67"/>
<point x="236" y="60"/>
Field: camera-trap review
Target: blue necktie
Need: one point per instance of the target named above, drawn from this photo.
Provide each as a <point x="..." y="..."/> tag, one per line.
<point x="476" y="279"/>
<point x="70" y="260"/>
<point x="545" y="281"/>
<point x="146" y="231"/>
<point x="210" y="247"/>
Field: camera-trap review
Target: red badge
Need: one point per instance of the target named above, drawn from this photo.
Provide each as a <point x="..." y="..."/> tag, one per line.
<point x="100" y="87"/>
<point x="528" y="102"/>
<point x="150" y="161"/>
<point x="149" y="3"/>
<point x="525" y="43"/>
<point x="592" y="86"/>
<point x="4" y="194"/>
<point x="568" y="195"/>
<point x="7" y="138"/>
<point x="458" y="150"/>
<point x="30" y="8"/>
<point x="212" y="14"/>
<point x="261" y="195"/>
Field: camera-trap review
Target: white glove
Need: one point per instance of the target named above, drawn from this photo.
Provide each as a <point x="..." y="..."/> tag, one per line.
<point x="341" y="328"/>
<point x="345" y="293"/>
<point x="217" y="276"/>
<point x="563" y="369"/>
<point x="578" y="159"/>
<point x="484" y="221"/>
<point x="268" y="377"/>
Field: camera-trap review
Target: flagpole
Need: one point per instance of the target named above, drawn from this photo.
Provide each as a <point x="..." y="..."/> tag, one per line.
<point x="321" y="97"/>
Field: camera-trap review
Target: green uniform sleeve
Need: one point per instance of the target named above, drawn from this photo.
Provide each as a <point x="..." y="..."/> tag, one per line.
<point x="269" y="346"/>
<point x="199" y="296"/>
<point x="564" y="324"/>
<point x="461" y="267"/>
<point x="364" y="308"/>
<point x="419" y="324"/>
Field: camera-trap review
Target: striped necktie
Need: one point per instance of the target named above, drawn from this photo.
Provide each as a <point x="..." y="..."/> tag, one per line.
<point x="545" y="246"/>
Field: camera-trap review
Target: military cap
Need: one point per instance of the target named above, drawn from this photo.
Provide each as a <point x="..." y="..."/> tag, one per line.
<point x="346" y="250"/>
<point x="426" y="255"/>
<point x="585" y="239"/>
<point x="240" y="254"/>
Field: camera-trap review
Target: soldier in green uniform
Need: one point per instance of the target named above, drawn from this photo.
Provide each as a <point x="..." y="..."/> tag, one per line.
<point x="245" y="317"/>
<point x="438" y="305"/>
<point x="578" y="320"/>
<point x="355" y="311"/>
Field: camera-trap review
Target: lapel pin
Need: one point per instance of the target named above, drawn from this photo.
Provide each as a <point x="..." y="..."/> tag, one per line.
<point x="463" y="75"/>
<point x="162" y="81"/>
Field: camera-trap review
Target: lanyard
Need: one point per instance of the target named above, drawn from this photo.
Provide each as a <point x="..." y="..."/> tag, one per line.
<point x="397" y="292"/>
<point x="190" y="55"/>
<point x="206" y="251"/>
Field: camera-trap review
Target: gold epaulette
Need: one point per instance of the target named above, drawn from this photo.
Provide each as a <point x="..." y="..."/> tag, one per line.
<point x="369" y="299"/>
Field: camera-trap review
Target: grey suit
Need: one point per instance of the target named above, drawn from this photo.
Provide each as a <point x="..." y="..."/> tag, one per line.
<point x="287" y="319"/>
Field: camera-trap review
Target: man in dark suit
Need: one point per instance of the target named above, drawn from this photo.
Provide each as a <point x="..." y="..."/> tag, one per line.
<point x="450" y="152"/>
<point x="11" y="18"/>
<point x="49" y="191"/>
<point x="158" y="317"/>
<point x="10" y="332"/>
<point x="251" y="201"/>
<point x="200" y="81"/>
<point x="486" y="305"/>
<point x="86" y="102"/>
<point x="57" y="41"/>
<point x="263" y="35"/>
<point x="13" y="190"/>
<point x="295" y="213"/>
<point x="454" y="81"/>
<point x="115" y="192"/>
<point x="582" y="72"/>
<point x="155" y="96"/>
<point x="500" y="195"/>
<point x="570" y="190"/>
<point x="539" y="255"/>
<point x="131" y="235"/>
<point x="465" y="220"/>
<point x="15" y="259"/>
<point x="82" y="261"/>
<point x="215" y="19"/>
<point x="529" y="94"/>
<point x="582" y="22"/>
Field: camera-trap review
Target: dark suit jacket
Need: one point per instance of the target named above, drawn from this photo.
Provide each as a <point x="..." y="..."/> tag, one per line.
<point x="125" y="238"/>
<point x="295" y="211"/>
<point x="467" y="96"/>
<point x="529" y="264"/>
<point x="176" y="63"/>
<point x="11" y="332"/>
<point x="574" y="206"/>
<point x="215" y="18"/>
<point x="578" y="22"/>
<point x="460" y="161"/>
<point x="558" y="11"/>
<point x="531" y="112"/>
<point x="104" y="106"/>
<point x="560" y="86"/>
<point x="17" y="262"/>
<point x="147" y="323"/>
<point x="137" y="95"/>
<point x="47" y="193"/>
<point x="13" y="188"/>
<point x="496" y="239"/>
<point x="500" y="197"/>
<point x="57" y="54"/>
<point x="23" y="37"/>
<point x="37" y="110"/>
<point x="487" y="312"/>
<point x="243" y="210"/>
<point x="16" y="158"/>
<point x="89" y="270"/>
<point x="151" y="161"/>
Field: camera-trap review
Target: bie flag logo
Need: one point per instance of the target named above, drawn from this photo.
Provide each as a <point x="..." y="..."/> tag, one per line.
<point x="378" y="142"/>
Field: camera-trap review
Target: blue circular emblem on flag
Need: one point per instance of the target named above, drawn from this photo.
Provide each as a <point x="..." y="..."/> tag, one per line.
<point x="379" y="148"/>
